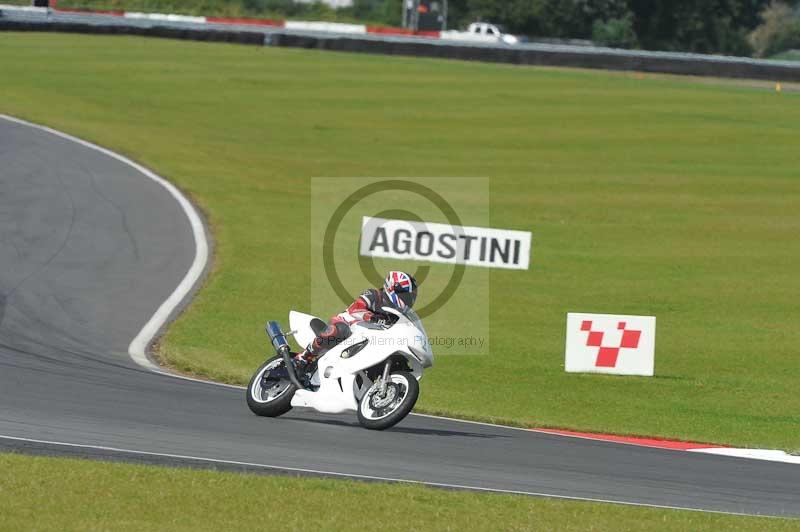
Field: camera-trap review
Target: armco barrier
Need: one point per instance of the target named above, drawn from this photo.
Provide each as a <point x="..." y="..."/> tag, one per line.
<point x="388" y="41"/>
<point x="238" y="37"/>
<point x="578" y="57"/>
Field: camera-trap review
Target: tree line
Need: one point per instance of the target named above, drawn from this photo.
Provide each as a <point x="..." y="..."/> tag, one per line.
<point x="734" y="27"/>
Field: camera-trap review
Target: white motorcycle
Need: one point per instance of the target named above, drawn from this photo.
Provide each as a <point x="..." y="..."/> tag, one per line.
<point x="374" y="372"/>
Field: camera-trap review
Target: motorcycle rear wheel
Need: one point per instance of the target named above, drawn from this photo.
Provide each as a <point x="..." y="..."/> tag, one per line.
<point x="273" y="400"/>
<point x="380" y="413"/>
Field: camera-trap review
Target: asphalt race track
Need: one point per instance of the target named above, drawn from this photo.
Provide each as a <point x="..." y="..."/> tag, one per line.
<point x="90" y="248"/>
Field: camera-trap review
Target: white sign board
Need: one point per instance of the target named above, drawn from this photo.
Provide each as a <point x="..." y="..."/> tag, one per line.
<point x="455" y="244"/>
<point x="605" y="343"/>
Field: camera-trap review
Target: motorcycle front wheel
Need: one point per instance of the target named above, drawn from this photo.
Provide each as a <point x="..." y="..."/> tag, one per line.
<point x="379" y="412"/>
<point x="266" y="396"/>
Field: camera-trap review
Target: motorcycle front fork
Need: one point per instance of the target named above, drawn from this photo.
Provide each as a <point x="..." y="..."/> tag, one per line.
<point x="387" y="368"/>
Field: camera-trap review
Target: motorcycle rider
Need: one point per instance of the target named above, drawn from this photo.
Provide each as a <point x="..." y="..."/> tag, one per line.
<point x="399" y="291"/>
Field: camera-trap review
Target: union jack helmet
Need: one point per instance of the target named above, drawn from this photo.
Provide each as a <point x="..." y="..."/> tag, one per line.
<point x="401" y="289"/>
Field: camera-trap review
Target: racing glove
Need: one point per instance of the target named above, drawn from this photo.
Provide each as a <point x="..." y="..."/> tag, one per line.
<point x="381" y="320"/>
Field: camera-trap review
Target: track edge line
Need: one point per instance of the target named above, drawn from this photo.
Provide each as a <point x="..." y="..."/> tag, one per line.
<point x="355" y="476"/>
<point x="138" y="348"/>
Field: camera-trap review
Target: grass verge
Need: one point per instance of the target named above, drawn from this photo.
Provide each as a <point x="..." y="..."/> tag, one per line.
<point x="645" y="196"/>
<point x="39" y="493"/>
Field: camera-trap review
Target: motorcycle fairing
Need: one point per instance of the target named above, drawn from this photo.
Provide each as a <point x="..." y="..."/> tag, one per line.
<point x="336" y="376"/>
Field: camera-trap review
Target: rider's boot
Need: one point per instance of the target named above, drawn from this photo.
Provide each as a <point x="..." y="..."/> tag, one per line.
<point x="303" y="360"/>
<point x="304" y="356"/>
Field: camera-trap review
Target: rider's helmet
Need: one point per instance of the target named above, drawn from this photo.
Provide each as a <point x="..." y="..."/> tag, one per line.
<point x="401" y="289"/>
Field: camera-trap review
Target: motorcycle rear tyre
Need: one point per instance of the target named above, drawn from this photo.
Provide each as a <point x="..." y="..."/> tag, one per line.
<point x="278" y="406"/>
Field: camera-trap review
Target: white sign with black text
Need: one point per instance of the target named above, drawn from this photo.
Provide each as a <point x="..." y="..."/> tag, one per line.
<point x="434" y="242"/>
<point x="607" y="343"/>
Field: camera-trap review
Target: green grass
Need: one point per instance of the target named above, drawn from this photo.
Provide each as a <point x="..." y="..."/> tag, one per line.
<point x="789" y="55"/>
<point x="645" y="196"/>
<point x="66" y="494"/>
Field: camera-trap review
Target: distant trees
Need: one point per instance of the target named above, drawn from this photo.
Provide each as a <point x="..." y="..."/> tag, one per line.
<point x="779" y="30"/>
<point x="381" y="11"/>
<point x="703" y="26"/>
<point x="615" y="32"/>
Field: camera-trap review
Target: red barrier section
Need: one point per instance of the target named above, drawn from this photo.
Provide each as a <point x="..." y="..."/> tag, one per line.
<point x="245" y="21"/>
<point x="388" y="30"/>
<point x="632" y="440"/>
<point x="385" y="30"/>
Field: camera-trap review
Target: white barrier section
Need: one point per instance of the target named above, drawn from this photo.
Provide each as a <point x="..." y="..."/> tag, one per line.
<point x="166" y="17"/>
<point x="450" y="244"/>
<point x="333" y="27"/>
<point x="607" y="343"/>
<point x="453" y="35"/>
<point x="29" y="9"/>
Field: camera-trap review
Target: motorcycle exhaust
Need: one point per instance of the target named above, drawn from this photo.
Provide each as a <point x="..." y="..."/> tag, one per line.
<point x="278" y="339"/>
